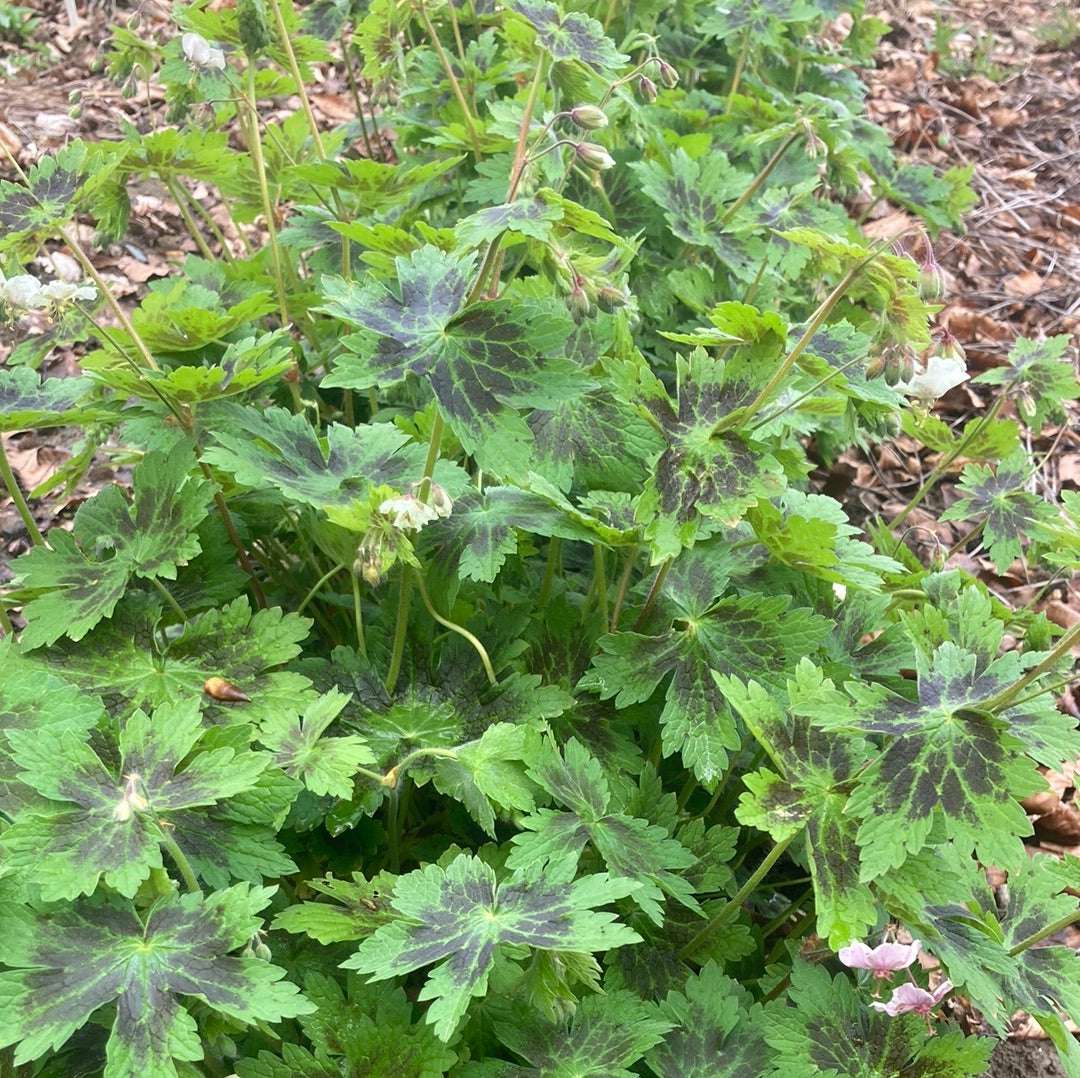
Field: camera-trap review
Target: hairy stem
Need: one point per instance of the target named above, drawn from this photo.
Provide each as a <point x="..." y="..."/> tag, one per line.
<point x="1051" y="929"/>
<point x="169" y="598"/>
<point x="259" y="164"/>
<point x="1006" y="698"/>
<point x="358" y="615"/>
<point x="622" y="588"/>
<point x="453" y="626"/>
<point x="448" y="68"/>
<point x="16" y="495"/>
<point x="740" y="897"/>
<point x="755" y="184"/>
<point x="194" y="231"/>
<point x="946" y="461"/>
<point x="401" y="625"/>
<point x="179" y="858"/>
<point x="654" y="593"/>
<point x="316" y="586"/>
<point x="740" y="64"/>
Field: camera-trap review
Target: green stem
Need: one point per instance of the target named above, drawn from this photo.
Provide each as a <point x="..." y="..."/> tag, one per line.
<point x="1050" y="930"/>
<point x="401" y="625"/>
<point x="294" y="70"/>
<point x="393" y="828"/>
<point x="259" y="164"/>
<point x="654" y="593"/>
<point x="819" y="384"/>
<point x="550" y="567"/>
<point x="213" y="227"/>
<point x="1006" y="698"/>
<point x="169" y="598"/>
<point x="623" y="586"/>
<point x="741" y="415"/>
<point x="354" y="90"/>
<point x="358" y="615"/>
<point x="444" y="60"/>
<point x="189" y="222"/>
<point x="740" y="897"/>
<point x="316" y="586"/>
<point x="455" y="628"/>
<point x="183" y="865"/>
<point x="600" y="581"/>
<point x="492" y="264"/>
<point x="16" y="494"/>
<point x="780" y="918"/>
<point x="686" y="792"/>
<point x="740" y="63"/>
<point x="946" y="461"/>
<point x="121" y="316"/>
<point x="760" y="178"/>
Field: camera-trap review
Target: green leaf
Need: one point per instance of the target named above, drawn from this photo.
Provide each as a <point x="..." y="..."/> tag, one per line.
<point x="605" y="1036"/>
<point x="569" y="37"/>
<point x="1039" y="372"/>
<point x="532" y="217"/>
<point x="972" y="936"/>
<point x="490" y="772"/>
<point x="106" y="821"/>
<point x="482" y="530"/>
<point x="999" y="499"/>
<point x="371" y="1030"/>
<point x="30" y="403"/>
<point x="87" y="570"/>
<point x="830" y="1030"/>
<point x="459" y="917"/>
<point x="751" y="636"/>
<point x="359" y="907"/>
<point x="482" y="361"/>
<point x="703" y="479"/>
<point x="810" y="793"/>
<point x="278" y="448"/>
<point x="629" y="847"/>
<point x="67" y="965"/>
<point x="692" y="194"/>
<point x="811" y="533"/>
<point x="325" y="764"/>
<point x="244" y="365"/>
<point x="948" y="763"/>
<point x="123" y="662"/>
<point x="596" y="441"/>
<point x="717" y="1031"/>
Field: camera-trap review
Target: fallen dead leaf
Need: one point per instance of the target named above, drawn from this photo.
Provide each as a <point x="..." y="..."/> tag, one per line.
<point x="1024" y="285"/>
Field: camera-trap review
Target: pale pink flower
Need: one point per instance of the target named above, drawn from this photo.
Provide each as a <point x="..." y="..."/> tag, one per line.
<point x="911" y="999"/>
<point x="883" y="960"/>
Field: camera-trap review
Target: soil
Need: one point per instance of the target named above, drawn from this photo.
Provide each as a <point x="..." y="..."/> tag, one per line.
<point x="1025" y="1059"/>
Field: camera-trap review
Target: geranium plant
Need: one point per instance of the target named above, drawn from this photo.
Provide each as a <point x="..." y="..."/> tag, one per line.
<point x="466" y="673"/>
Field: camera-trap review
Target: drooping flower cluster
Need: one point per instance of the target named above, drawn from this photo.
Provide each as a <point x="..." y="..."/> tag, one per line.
<point x="410" y="513"/>
<point x="885" y="960"/>
<point x="24" y="292"/>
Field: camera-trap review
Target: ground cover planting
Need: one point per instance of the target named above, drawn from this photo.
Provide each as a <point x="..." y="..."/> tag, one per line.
<point x="470" y="669"/>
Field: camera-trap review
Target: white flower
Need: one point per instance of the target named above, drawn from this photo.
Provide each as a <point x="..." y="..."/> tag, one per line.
<point x="201" y="54"/>
<point x="943" y="371"/>
<point x="437" y="498"/>
<point x="408" y="512"/>
<point x="63" y="291"/>
<point x="23" y="291"/>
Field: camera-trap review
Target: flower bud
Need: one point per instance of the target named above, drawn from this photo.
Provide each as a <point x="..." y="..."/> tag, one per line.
<point x="899" y="364"/>
<point x="610" y="299"/>
<point x="1026" y="406"/>
<point x="646" y="89"/>
<point x="75" y="112"/>
<point x="589" y="117"/>
<point x="578" y="302"/>
<point x="74" y="97"/>
<point x="593" y="156"/>
<point x="668" y="75"/>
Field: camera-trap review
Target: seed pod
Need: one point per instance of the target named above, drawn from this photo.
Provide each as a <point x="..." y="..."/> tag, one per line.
<point x="589" y="117"/>
<point x="610" y="299"/>
<point x="899" y="364"/>
<point x="646" y="89"/>
<point x="668" y="75"/>
<point x="595" y="157"/>
<point x="253" y="26"/>
<point x="220" y="689"/>
<point x="1026" y="406"/>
